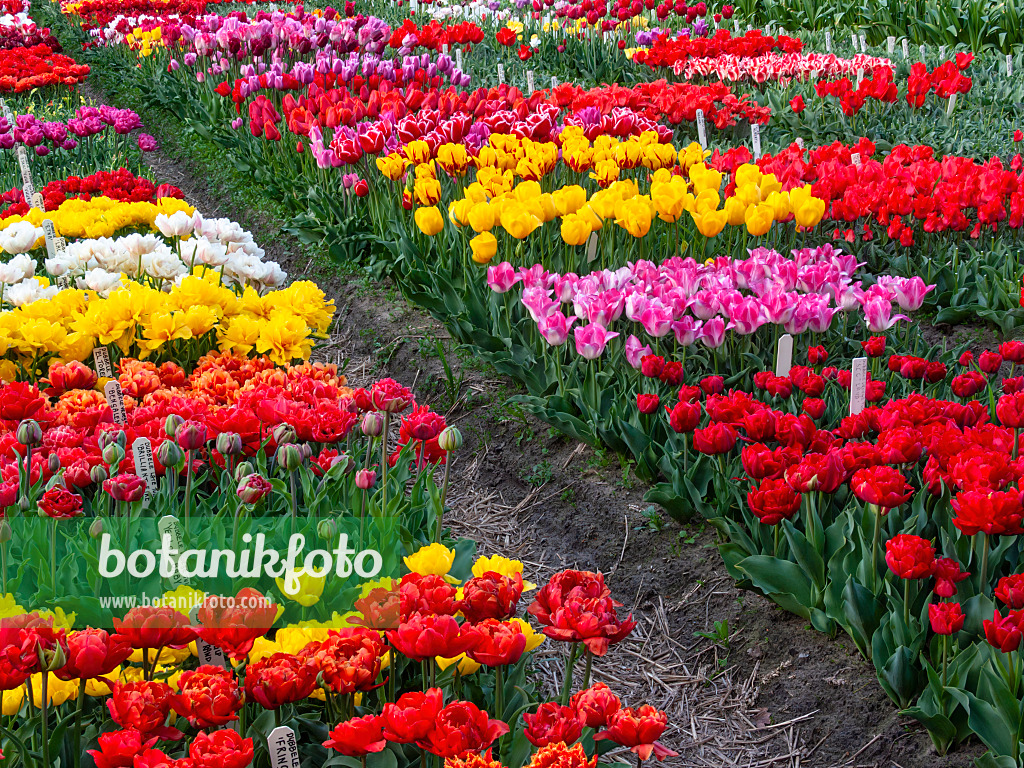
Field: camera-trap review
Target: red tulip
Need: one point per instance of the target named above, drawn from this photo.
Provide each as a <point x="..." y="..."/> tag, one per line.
<point x="155" y="627"/>
<point x="93" y="653"/>
<point x="462" y="729"/>
<point x="143" y="706"/>
<point x="947" y="576"/>
<point x="946" y="618"/>
<point x="595" y="705"/>
<point x="552" y="723"/>
<point x="412" y="717"/>
<point x="910" y="556"/>
<point x="208" y="696"/>
<point x="498" y="643"/>
<point x="491" y="596"/>
<point x="233" y="624"/>
<point x="280" y="679"/>
<point x="358" y="737"/>
<point x="882" y="486"/>
<point x="1003" y="632"/>
<point x="221" y="749"/>
<point x="639" y="730"/>
<point x="715" y="439"/>
<point x="773" y="501"/>
<point x="993" y="513"/>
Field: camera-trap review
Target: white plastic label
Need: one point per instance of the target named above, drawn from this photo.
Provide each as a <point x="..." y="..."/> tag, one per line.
<point x="101" y="362"/>
<point x="890" y="44"/>
<point x="863" y="44"/>
<point x="784" y="355"/>
<point x="169" y="527"/>
<point x="458" y="58"/>
<point x="592" y="246"/>
<point x="145" y="467"/>
<point x="828" y="41"/>
<point x="51" y="238"/>
<point x="501" y="74"/>
<point x="755" y="139"/>
<point x="284" y="749"/>
<point x="951" y="105"/>
<point x="855" y="158"/>
<point x="906" y="48"/>
<point x="858" y="385"/>
<point x="554" y="82"/>
<point x="529" y="82"/>
<point x="702" y="135"/>
<point x="115" y="399"/>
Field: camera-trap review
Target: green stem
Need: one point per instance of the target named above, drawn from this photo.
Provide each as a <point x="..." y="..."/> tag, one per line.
<point x="906" y="602"/>
<point x="874" y="549"/>
<point x="567" y="681"/>
<point x="78" y="723"/>
<point x="587" y="669"/>
<point x="384" y="464"/>
<point x="444" y="496"/>
<point x="983" y="543"/>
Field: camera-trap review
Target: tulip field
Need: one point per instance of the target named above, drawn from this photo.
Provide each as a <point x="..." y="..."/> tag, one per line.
<point x="756" y="270"/>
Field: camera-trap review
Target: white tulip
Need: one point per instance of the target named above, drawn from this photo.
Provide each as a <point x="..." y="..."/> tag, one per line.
<point x="178" y="224"/>
<point x="19" y="237"/>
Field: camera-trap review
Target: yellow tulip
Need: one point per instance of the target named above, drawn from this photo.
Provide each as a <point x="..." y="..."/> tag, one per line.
<point x="605" y="172"/>
<point x="670" y="199"/>
<point x="484" y="246"/>
<point x="659" y="156"/>
<point x="575" y="229"/>
<point x="710" y="223"/>
<point x="603" y="203"/>
<point x="458" y="212"/>
<point x="466" y="665"/>
<point x="628" y="154"/>
<point x="634" y="216"/>
<point x="748" y="194"/>
<point x="759" y="219"/>
<point x="427" y="191"/>
<point x="769" y="184"/>
<point x="518" y="221"/>
<point x="780" y="204"/>
<point x="807" y="209"/>
<point x="736" y="210"/>
<point x="429" y="220"/>
<point x="417" y="151"/>
<point x="310" y="588"/>
<point x="432" y="560"/>
<point x="12" y="700"/>
<point x="392" y="166"/>
<point x="485" y="158"/>
<point x="748" y="174"/>
<point x="705" y="178"/>
<point x="707" y="201"/>
<point x="453" y="158"/>
<point x="569" y="199"/>
<point x="481" y="217"/>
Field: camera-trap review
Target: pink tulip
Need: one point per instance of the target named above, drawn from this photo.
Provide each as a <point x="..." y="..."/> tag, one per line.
<point x="656" y="319"/>
<point x="555" y="328"/>
<point x="565" y="286"/>
<point x="606" y="308"/>
<point x="746" y="316"/>
<point x="687" y="330"/>
<point x="501" y="277"/>
<point x="635" y="351"/>
<point x="591" y="340"/>
<point x="878" y="315"/>
<point x="910" y="293"/>
<point x="705" y="304"/>
<point x="713" y="333"/>
<point x="778" y="306"/>
<point x="538" y="303"/>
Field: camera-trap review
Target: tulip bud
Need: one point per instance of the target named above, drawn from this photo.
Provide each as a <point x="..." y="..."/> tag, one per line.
<point x="53" y="463"/>
<point x="172" y="423"/>
<point x="366" y="479"/>
<point x="327" y="530"/>
<point x="252" y="488"/>
<point x="53" y="658"/>
<point x="23" y="504"/>
<point x="191" y="435"/>
<point x="29" y="433"/>
<point x="289" y="457"/>
<point x="243" y="470"/>
<point x="229" y="444"/>
<point x="169" y="454"/>
<point x="373" y="424"/>
<point x="98" y="474"/>
<point x="112" y="454"/>
<point x="284" y="434"/>
<point x="307" y="452"/>
<point x="450" y="439"/>
<point x="96" y="529"/>
<point x="112" y="437"/>
<point x="6" y="534"/>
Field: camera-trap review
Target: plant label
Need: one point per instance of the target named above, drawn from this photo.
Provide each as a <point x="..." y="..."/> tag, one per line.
<point x="170" y="527"/>
<point x="828" y="41"/>
<point x="750" y="27"/>
<point x="37" y="200"/>
<point x="10" y="115"/>
<point x="755" y="139"/>
<point x="782" y="31"/>
<point x="906" y="48"/>
<point x="853" y="42"/>
<point x="26" y="172"/>
<point x="501" y="74"/>
<point x="444" y="49"/>
<point x="101" y="362"/>
<point x="768" y="29"/>
<point x="208" y="654"/>
<point x="284" y="750"/>
<point x="863" y="44"/>
<point x="145" y="467"/>
<point x="458" y="58"/>
<point x="702" y="135"/>
<point x="115" y="399"/>
<point x="860" y="77"/>
<point x="60" y="244"/>
<point x="554" y="82"/>
<point x="858" y="385"/>
<point x="890" y="45"/>
<point x="63" y="282"/>
<point x="784" y="355"/>
<point x="1009" y="65"/>
<point x="592" y="247"/>
<point x="529" y="82"/>
<point x="922" y="53"/>
<point x="855" y="159"/>
<point x="51" y="238"/>
<point x="951" y="105"/>
<point x="736" y="24"/>
<point x="800" y="142"/>
<point x="942" y="52"/>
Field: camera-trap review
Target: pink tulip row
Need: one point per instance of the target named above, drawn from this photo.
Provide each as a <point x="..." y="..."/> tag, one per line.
<point x="701" y="302"/>
<point x="777" y="67"/>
